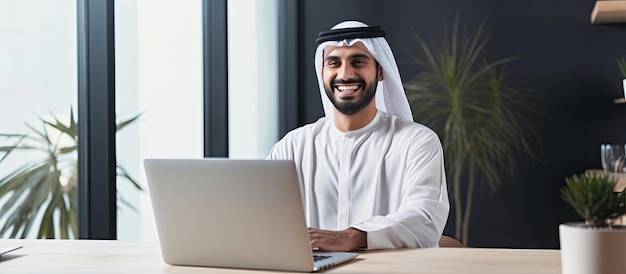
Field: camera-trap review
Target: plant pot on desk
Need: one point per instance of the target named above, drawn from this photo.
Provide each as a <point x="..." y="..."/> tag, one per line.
<point x="589" y="250"/>
<point x="597" y="245"/>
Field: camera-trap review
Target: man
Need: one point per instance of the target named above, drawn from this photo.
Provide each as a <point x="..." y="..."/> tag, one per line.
<point x="371" y="177"/>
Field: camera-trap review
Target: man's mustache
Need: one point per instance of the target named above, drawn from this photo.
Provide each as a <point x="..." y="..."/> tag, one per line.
<point x="348" y="81"/>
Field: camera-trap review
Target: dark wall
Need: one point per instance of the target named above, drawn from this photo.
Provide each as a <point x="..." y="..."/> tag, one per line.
<point x="567" y="60"/>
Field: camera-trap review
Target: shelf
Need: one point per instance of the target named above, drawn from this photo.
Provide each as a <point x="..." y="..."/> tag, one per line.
<point x="609" y="12"/>
<point x="619" y="101"/>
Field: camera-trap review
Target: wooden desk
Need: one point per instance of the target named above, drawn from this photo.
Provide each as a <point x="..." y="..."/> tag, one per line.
<point x="94" y="256"/>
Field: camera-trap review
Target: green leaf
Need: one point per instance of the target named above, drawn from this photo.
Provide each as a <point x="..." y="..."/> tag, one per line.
<point x="35" y="186"/>
<point x="127" y="122"/>
<point x="621" y="63"/>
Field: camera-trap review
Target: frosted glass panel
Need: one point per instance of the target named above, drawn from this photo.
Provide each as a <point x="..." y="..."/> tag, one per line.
<point x="158" y="74"/>
<point x="252" y="77"/>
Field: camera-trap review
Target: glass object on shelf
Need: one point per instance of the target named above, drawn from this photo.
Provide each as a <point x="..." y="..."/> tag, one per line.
<point x="613" y="157"/>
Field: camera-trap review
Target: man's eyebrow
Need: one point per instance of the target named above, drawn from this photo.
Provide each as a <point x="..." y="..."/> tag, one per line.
<point x="359" y="55"/>
<point x="353" y="56"/>
<point x="331" y="57"/>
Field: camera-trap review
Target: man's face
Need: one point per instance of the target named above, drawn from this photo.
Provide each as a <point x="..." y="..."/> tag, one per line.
<point x="350" y="75"/>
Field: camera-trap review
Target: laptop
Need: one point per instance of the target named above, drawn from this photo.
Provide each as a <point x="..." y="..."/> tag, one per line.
<point x="232" y="213"/>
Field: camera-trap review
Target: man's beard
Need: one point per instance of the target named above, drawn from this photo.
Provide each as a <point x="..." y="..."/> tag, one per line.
<point x="352" y="107"/>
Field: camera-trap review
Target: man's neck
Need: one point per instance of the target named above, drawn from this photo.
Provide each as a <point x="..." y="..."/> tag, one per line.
<point x="355" y="121"/>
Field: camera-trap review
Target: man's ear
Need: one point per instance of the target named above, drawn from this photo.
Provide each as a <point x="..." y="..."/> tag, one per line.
<point x="380" y="73"/>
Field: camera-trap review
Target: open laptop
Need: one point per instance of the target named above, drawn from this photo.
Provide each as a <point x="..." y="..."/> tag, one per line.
<point x="220" y="212"/>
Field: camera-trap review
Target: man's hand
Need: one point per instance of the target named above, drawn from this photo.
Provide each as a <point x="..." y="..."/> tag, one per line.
<point x="342" y="240"/>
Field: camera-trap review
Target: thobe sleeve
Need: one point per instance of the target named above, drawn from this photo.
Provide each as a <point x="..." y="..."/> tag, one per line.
<point x="421" y="217"/>
<point x="281" y="150"/>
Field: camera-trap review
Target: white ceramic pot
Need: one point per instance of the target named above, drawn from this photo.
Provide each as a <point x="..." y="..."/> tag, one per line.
<point x="624" y="85"/>
<point x="587" y="250"/>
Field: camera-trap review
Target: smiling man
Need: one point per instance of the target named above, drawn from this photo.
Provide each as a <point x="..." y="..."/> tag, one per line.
<point x="371" y="177"/>
<point x="347" y="69"/>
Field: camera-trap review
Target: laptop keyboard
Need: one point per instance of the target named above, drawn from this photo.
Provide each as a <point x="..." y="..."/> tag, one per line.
<point x="319" y="257"/>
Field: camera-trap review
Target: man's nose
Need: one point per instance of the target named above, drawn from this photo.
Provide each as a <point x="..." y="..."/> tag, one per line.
<point x="345" y="72"/>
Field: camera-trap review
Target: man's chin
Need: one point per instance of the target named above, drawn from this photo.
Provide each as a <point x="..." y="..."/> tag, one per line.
<point x="346" y="99"/>
<point x="348" y="108"/>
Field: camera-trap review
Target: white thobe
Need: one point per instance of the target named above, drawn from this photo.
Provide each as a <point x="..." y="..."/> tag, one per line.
<point x="386" y="179"/>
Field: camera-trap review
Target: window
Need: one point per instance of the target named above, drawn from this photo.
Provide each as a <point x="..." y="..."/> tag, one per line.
<point x="252" y="77"/>
<point x="158" y="56"/>
<point x="38" y="75"/>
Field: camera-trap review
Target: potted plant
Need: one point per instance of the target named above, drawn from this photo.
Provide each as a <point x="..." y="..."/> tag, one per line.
<point x="46" y="185"/>
<point x="597" y="245"/>
<point x="621" y="64"/>
<point x="481" y="118"/>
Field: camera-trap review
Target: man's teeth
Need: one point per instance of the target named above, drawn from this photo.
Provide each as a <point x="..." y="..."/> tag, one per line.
<point x="348" y="88"/>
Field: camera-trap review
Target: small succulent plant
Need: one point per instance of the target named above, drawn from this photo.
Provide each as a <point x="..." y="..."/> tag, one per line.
<point x="594" y="198"/>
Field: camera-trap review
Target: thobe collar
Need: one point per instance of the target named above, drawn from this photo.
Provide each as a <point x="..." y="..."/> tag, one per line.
<point x="335" y="133"/>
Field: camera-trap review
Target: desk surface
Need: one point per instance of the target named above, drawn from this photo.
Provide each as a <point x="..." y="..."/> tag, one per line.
<point x="96" y="256"/>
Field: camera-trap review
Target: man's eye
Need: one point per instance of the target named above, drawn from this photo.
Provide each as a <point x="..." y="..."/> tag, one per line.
<point x="332" y="63"/>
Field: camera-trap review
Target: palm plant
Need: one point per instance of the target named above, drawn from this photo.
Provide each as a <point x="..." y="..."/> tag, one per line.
<point x="594" y="198"/>
<point x="47" y="184"/>
<point x="621" y="64"/>
<point x="479" y="116"/>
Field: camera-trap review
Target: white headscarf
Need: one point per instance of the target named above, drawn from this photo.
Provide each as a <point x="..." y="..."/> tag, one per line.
<point x="390" y="96"/>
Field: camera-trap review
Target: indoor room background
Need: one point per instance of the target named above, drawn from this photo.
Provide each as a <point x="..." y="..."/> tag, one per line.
<point x="564" y="58"/>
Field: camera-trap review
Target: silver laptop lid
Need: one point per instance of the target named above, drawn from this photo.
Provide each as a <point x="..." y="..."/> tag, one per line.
<point x="229" y="213"/>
